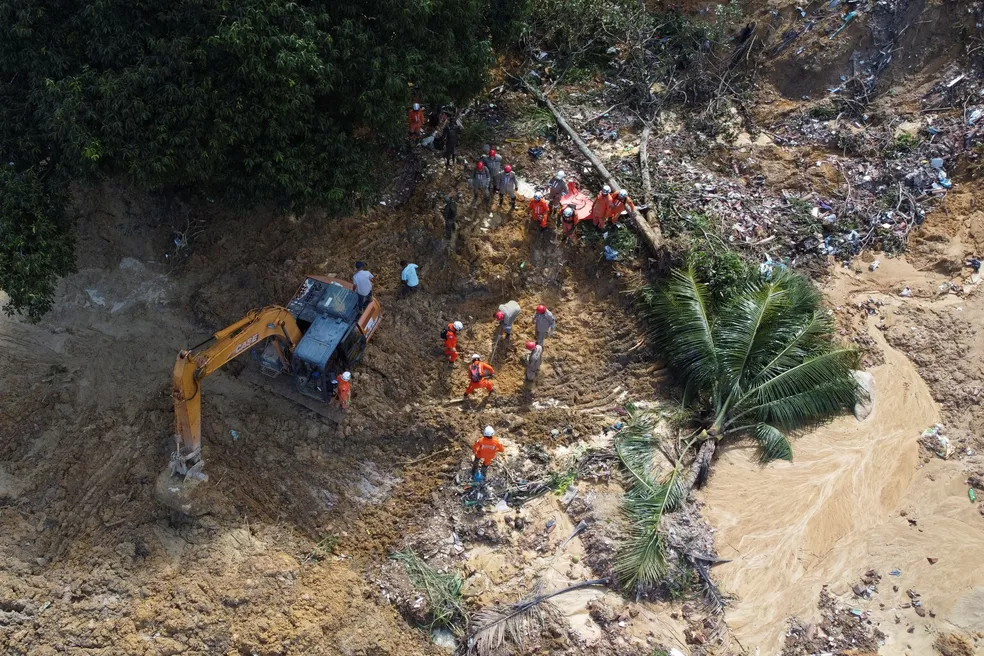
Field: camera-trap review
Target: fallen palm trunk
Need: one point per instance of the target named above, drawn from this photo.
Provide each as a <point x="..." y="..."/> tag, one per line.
<point x="650" y="234"/>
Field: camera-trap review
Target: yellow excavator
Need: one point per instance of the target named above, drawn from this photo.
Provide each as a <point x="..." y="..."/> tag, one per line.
<point x="322" y="332"/>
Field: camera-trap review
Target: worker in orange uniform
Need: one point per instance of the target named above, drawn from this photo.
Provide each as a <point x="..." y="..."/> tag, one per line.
<point x="415" y="121"/>
<point x="450" y="336"/>
<point x="485" y="449"/>
<point x="479" y="374"/>
<point x="344" y="391"/>
<point x="602" y="207"/>
<point x="540" y="210"/>
<point x="620" y="203"/>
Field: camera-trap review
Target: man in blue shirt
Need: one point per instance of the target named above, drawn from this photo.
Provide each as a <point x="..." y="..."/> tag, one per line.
<point x="409" y="278"/>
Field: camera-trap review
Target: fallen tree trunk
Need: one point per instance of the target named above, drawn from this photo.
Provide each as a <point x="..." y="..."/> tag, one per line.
<point x="647" y="185"/>
<point x="650" y="234"/>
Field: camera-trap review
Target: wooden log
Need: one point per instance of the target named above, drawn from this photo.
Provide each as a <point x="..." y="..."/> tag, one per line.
<point x="649" y="233"/>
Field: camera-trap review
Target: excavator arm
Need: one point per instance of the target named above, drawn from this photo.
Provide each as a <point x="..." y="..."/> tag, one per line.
<point x="196" y="364"/>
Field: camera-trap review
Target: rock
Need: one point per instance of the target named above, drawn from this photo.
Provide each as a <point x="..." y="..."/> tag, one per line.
<point x="864" y="406"/>
<point x="932" y="561"/>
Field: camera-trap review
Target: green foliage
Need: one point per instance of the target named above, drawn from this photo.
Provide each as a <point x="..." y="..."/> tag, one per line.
<point x="824" y="112"/>
<point x="35" y="244"/>
<point x="257" y="101"/>
<point x="324" y="548"/>
<point x="720" y="268"/>
<point x="476" y="133"/>
<point x="568" y="26"/>
<point x="535" y="121"/>
<point x="642" y="560"/>
<point x="266" y="99"/>
<point x="761" y="362"/>
<point x="507" y="20"/>
<point x="903" y="144"/>
<point x="442" y="589"/>
<point x="625" y="241"/>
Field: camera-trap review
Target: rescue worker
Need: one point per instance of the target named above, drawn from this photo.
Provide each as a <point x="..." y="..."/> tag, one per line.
<point x="450" y="335"/>
<point x="480" y="184"/>
<point x="506" y="315"/>
<point x="415" y="121"/>
<point x="620" y="203"/>
<point x="485" y="449"/>
<point x="507" y="186"/>
<point x="479" y="374"/>
<point x="408" y="276"/>
<point x="568" y="220"/>
<point x="363" y="284"/>
<point x="450" y="216"/>
<point x="540" y="210"/>
<point x="344" y="391"/>
<point x="452" y="131"/>
<point x="556" y="188"/>
<point x="533" y="360"/>
<point x="602" y="207"/>
<point x="543" y="323"/>
<point x="494" y="166"/>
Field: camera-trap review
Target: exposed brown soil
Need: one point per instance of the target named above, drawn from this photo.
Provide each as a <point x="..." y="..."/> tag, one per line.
<point x="90" y="563"/>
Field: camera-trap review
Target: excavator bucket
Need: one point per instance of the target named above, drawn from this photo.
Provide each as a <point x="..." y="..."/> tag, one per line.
<point x="179" y="494"/>
<point x="176" y="486"/>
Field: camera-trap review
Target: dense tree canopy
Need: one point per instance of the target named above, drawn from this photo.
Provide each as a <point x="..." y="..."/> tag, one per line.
<point x="265" y="100"/>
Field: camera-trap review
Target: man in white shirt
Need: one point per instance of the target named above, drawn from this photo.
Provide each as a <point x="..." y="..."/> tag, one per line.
<point x="363" y="284"/>
<point x="409" y="278"/>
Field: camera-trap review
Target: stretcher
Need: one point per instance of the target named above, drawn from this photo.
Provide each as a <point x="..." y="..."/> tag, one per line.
<point x="576" y="199"/>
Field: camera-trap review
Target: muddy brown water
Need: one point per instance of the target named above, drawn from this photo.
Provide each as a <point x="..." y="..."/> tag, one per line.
<point x="842" y="507"/>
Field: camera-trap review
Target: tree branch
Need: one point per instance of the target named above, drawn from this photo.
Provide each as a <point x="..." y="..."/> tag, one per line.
<point x="651" y="234"/>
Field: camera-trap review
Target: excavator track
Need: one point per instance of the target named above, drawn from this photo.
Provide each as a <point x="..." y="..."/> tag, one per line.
<point x="283" y="386"/>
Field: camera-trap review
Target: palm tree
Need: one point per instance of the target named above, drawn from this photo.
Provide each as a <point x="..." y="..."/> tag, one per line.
<point x="760" y="364"/>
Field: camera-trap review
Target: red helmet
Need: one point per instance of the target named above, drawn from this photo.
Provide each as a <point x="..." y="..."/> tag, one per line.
<point x="540" y="309"/>
<point x="492" y="152"/>
<point x="530" y="346"/>
<point x="480" y="166"/>
<point x="500" y="315"/>
<point x="508" y="168"/>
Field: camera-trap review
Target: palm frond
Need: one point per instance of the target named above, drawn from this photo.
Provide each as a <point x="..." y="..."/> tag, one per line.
<point x="774" y="444"/>
<point x="680" y="317"/>
<point x="514" y="621"/>
<point x="638" y="443"/>
<point x="641" y="560"/>
<point x="808" y="409"/>
<point x="821" y="385"/>
<point x="442" y="589"/>
<point x="800" y="340"/>
<point x="741" y="333"/>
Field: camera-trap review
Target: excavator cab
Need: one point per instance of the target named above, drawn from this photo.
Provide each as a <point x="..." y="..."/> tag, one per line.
<point x="335" y="334"/>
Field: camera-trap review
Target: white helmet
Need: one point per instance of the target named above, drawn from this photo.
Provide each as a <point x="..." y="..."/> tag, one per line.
<point x="537" y="195"/>
<point x="568" y="211"/>
<point x="622" y="193"/>
<point x="476" y="356"/>
<point x="488" y="432"/>
<point x="458" y="325"/>
<point x="560" y="175"/>
<point x="416" y="107"/>
<point x="346" y="376"/>
<point x="606" y="189"/>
